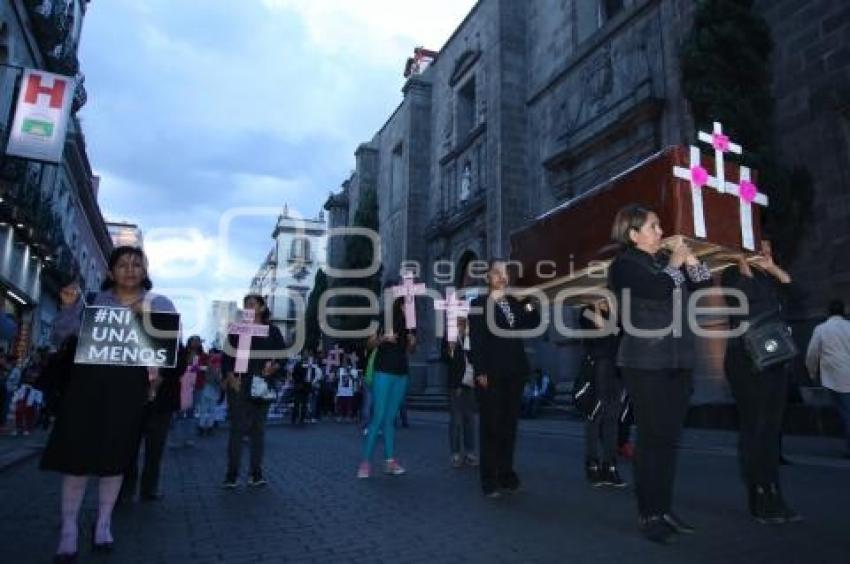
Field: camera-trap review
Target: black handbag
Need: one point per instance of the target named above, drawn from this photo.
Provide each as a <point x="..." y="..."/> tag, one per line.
<point x="769" y="342"/>
<point x="585" y="398"/>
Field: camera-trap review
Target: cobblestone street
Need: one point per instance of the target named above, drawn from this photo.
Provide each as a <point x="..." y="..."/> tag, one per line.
<point x="314" y="510"/>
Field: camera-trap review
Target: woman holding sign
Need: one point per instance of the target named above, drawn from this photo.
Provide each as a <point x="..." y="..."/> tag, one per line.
<point x="251" y="365"/>
<point x="100" y="415"/>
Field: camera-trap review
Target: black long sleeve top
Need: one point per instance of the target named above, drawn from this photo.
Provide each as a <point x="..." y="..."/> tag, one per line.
<point x="500" y="356"/>
<point x="646" y="289"/>
<point x="263" y="350"/>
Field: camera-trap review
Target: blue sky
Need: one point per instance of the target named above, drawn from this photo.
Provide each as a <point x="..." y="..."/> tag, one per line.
<point x="197" y="108"/>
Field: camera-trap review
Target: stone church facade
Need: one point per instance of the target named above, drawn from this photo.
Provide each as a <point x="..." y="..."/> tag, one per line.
<point x="527" y="105"/>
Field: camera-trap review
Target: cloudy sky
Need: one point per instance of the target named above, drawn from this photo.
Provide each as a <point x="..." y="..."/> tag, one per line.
<point x="200" y="108"/>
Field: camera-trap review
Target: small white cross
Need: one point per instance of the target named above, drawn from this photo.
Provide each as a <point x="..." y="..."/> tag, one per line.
<point x="722" y="145"/>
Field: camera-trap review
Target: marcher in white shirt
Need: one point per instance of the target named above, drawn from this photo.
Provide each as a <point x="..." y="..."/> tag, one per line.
<point x="828" y="357"/>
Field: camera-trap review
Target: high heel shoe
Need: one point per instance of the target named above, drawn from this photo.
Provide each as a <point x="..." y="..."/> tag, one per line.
<point x="103" y="547"/>
<point x="64" y="557"/>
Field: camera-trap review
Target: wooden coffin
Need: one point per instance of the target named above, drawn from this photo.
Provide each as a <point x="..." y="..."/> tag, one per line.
<point x="570" y="246"/>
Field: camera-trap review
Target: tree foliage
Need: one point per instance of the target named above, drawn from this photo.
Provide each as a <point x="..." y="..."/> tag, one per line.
<point x="726" y="77"/>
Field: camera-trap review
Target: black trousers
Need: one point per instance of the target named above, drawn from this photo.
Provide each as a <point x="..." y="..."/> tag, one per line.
<point x="499" y="412"/>
<point x="299" y="406"/>
<point x="154" y="433"/>
<point x="761" y="398"/>
<point x="246" y="418"/>
<point x="604" y="426"/>
<point x="660" y="401"/>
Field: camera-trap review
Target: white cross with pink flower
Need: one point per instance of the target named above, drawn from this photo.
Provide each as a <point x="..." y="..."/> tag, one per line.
<point x="722" y="145"/>
<point x="698" y="177"/>
<point x="748" y="194"/>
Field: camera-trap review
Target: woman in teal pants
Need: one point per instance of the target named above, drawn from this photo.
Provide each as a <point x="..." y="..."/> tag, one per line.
<point x="389" y="385"/>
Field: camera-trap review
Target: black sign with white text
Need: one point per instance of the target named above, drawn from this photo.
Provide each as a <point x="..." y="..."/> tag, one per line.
<point x="119" y="337"/>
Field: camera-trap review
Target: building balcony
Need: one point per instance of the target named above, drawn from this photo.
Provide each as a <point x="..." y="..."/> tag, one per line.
<point x="51" y="22"/>
<point x="32" y="217"/>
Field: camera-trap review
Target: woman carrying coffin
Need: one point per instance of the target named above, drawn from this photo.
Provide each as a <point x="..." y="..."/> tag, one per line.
<point x="102" y="408"/>
<point x="656" y="357"/>
<point x="760" y="395"/>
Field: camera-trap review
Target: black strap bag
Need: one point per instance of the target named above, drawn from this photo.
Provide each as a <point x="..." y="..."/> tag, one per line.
<point x="769" y="342"/>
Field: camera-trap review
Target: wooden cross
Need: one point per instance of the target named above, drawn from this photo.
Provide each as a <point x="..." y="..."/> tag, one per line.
<point x="454" y="309"/>
<point x="246" y="330"/>
<point x="409" y="290"/>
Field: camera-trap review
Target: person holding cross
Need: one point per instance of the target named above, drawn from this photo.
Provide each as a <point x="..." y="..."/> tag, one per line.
<point x="461" y="385"/>
<point x="501" y="368"/>
<point x="102" y="409"/>
<point x="395" y="341"/>
<point x="251" y="363"/>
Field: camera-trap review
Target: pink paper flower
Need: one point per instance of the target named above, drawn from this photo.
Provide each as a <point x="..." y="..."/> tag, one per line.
<point x="699" y="176"/>
<point x="748" y="191"/>
<point x="720" y="142"/>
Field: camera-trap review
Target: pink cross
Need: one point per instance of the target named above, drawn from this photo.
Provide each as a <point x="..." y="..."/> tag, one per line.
<point x="409" y="290"/>
<point x="247" y="330"/>
<point x="454" y="309"/>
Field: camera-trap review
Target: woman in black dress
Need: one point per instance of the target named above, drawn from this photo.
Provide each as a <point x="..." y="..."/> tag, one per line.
<point x="102" y="407"/>
<point x="655" y="357"/>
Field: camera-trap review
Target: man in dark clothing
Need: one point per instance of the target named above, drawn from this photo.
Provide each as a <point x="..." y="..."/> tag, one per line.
<point x="157" y="421"/>
<point x="300" y="391"/>
<point x="501" y="368"/>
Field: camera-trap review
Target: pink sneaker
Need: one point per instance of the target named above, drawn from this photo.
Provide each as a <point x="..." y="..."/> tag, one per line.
<point x="364" y="470"/>
<point x="393" y="467"/>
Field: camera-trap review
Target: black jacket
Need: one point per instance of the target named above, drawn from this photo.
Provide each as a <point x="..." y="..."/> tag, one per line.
<point x="499" y="356"/>
<point x="263" y="350"/>
<point x="456" y="364"/>
<point x="651" y="307"/>
<point x="167" y="399"/>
